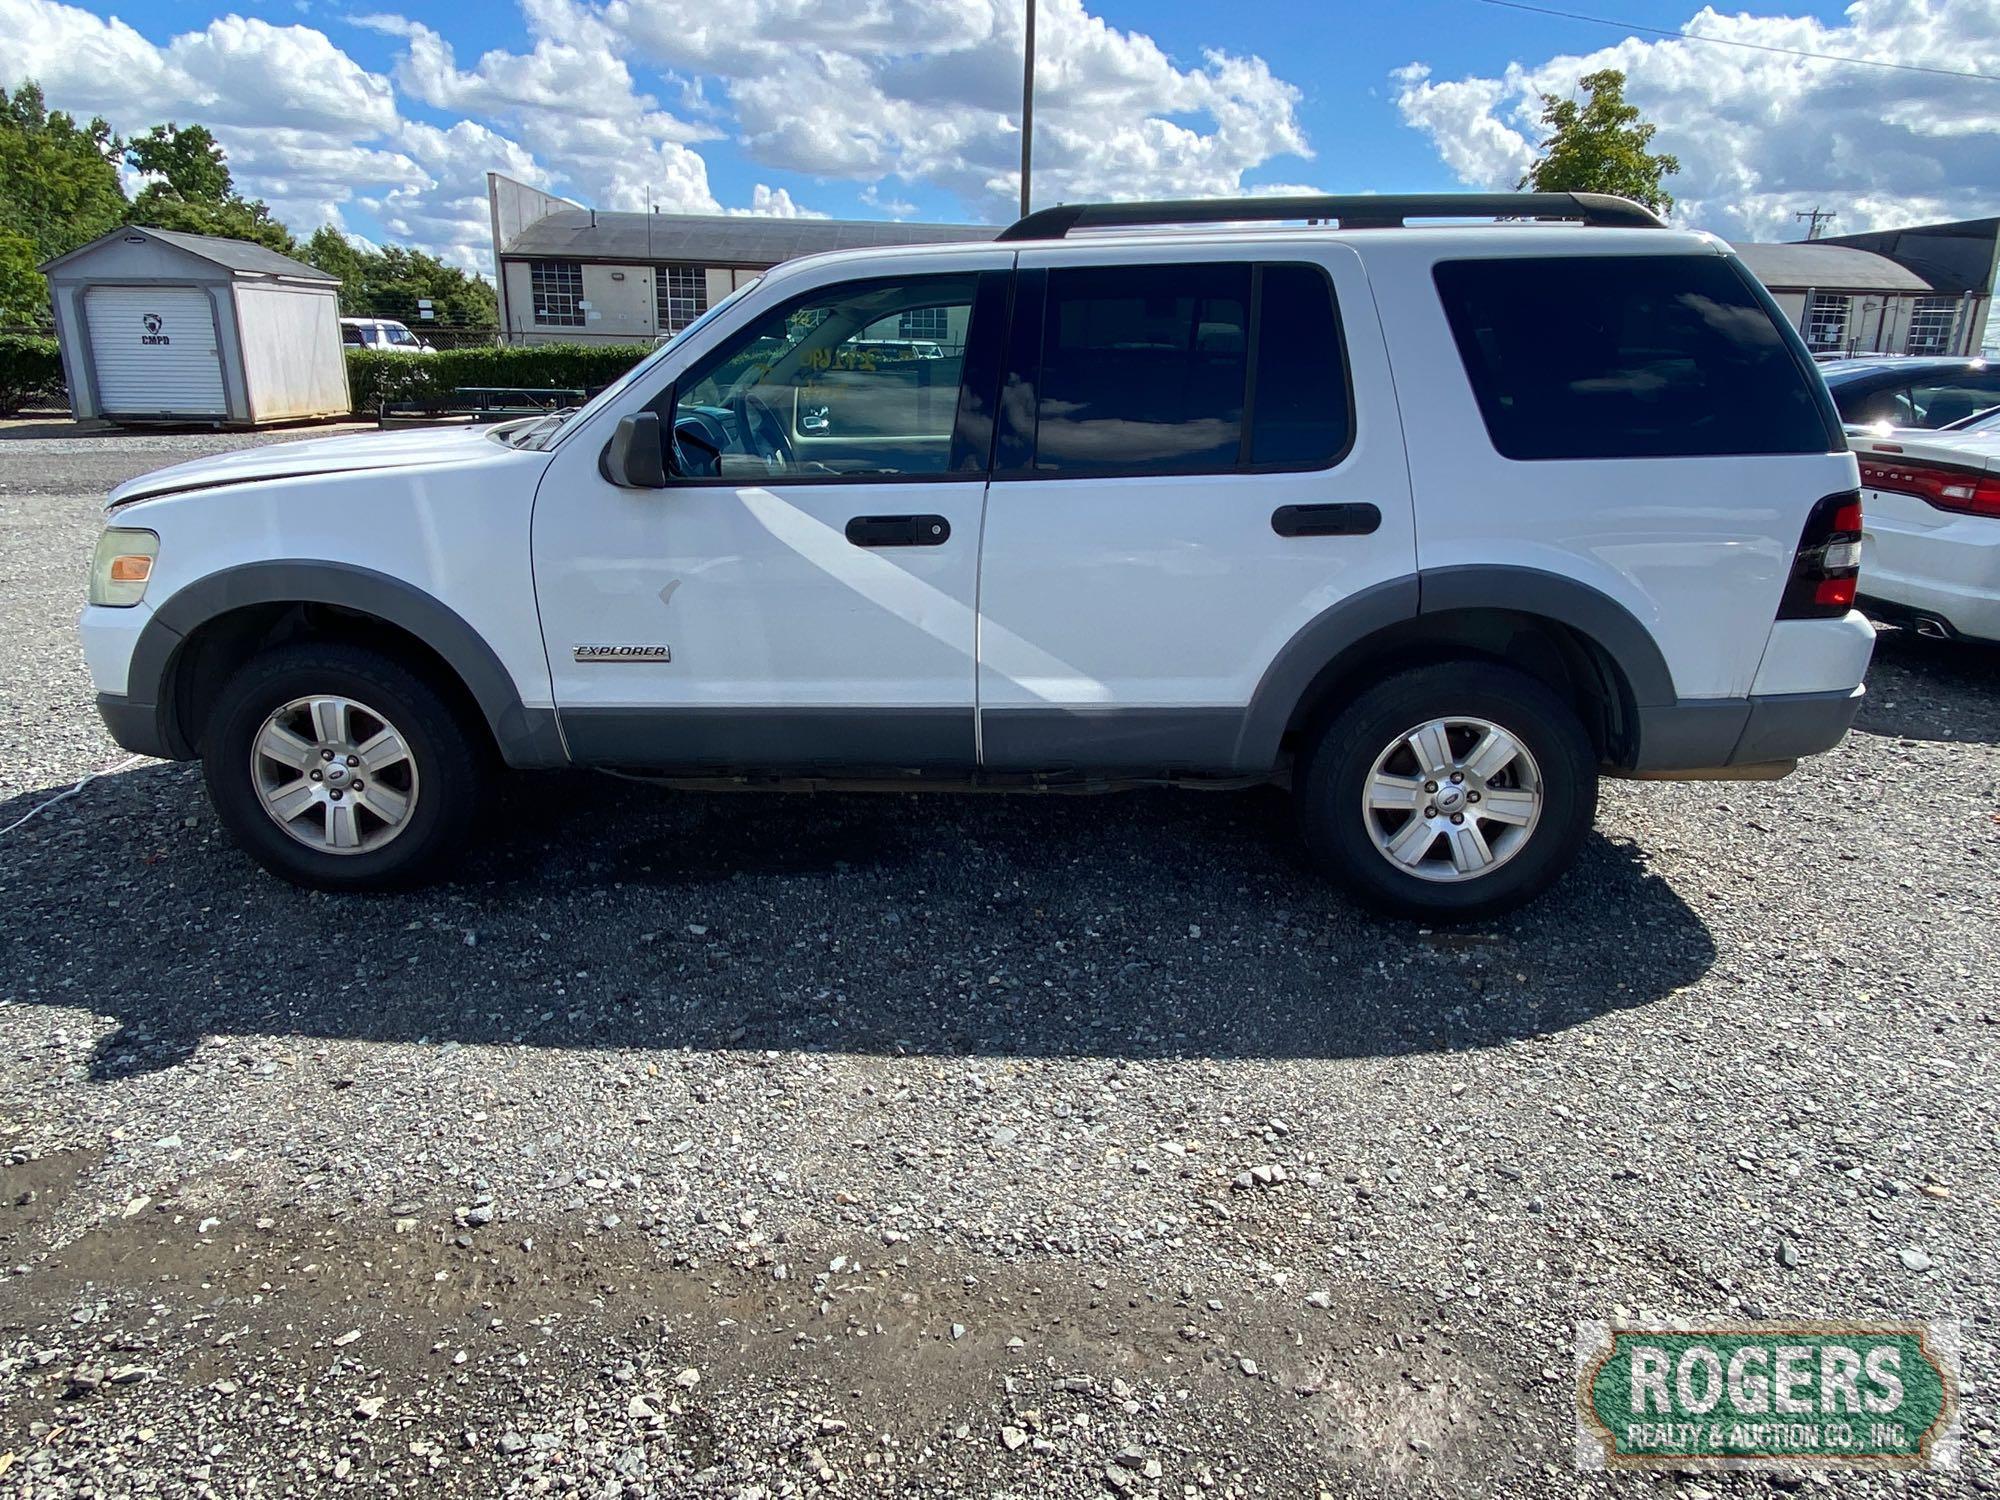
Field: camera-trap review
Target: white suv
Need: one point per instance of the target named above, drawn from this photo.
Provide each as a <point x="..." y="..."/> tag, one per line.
<point x="1437" y="524"/>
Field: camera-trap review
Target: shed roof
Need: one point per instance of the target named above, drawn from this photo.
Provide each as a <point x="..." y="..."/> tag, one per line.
<point x="239" y="257"/>
<point x="717" y="239"/>
<point x="1817" y="264"/>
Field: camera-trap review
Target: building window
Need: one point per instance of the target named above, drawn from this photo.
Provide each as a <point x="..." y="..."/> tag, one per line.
<point x="1826" y="321"/>
<point x="557" y="288"/>
<point x="680" y="294"/>
<point x="1931" y="320"/>
<point x="932" y="323"/>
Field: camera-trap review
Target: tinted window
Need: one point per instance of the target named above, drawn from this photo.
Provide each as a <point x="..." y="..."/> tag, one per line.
<point x="1873" y="400"/>
<point x="825" y="387"/>
<point x="1143" y="369"/>
<point x="1299" y="414"/>
<point x="1629" y="357"/>
<point x="1938" y="401"/>
<point x="1147" y="370"/>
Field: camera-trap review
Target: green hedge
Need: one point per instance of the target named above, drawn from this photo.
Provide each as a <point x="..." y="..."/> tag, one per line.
<point x="30" y="372"/>
<point x="378" y="375"/>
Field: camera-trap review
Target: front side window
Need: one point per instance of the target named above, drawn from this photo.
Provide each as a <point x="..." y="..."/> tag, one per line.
<point x="1630" y="356"/>
<point x="556" y="287"/>
<point x="826" y="386"/>
<point x="1189" y="369"/>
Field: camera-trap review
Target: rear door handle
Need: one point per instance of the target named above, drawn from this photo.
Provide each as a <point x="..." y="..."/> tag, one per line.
<point x="1352" y="518"/>
<point x="899" y="531"/>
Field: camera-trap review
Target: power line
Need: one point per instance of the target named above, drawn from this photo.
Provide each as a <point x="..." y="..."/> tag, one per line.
<point x="1724" y="41"/>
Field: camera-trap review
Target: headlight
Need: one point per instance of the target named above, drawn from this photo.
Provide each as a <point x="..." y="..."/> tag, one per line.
<point x="122" y="565"/>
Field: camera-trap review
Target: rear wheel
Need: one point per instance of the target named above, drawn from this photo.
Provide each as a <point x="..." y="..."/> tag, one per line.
<point x="337" y="767"/>
<point x="1449" y="792"/>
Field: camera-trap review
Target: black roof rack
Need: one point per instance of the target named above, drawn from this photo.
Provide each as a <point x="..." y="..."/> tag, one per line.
<point x="1380" y="211"/>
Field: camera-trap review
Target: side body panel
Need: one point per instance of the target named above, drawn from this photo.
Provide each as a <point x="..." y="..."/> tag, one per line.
<point x="1128" y="622"/>
<point x="1696" y="549"/>
<point x="773" y="640"/>
<point x="440" y="543"/>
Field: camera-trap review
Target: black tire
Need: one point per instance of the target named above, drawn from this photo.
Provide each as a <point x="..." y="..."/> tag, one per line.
<point x="1331" y="785"/>
<point x="444" y="755"/>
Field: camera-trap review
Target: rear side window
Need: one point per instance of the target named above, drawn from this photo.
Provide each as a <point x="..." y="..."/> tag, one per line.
<point x="1646" y="356"/>
<point x="1189" y="369"/>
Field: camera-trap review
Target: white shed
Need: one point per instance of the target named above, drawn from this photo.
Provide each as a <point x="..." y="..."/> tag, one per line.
<point x="160" y="326"/>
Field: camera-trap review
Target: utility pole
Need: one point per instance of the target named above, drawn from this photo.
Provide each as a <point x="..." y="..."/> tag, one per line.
<point x="1816" y="216"/>
<point x="1027" y="107"/>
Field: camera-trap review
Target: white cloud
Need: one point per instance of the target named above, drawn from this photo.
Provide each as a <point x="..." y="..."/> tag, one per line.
<point x="776" y="203"/>
<point x="890" y="95"/>
<point x="1761" y="135"/>
<point x="929" y="91"/>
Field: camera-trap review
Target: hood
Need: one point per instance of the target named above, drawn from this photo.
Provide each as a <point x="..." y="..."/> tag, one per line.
<point x="331" y="455"/>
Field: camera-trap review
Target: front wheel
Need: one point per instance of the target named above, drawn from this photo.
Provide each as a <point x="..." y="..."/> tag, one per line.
<point x="337" y="767"/>
<point x="1449" y="792"/>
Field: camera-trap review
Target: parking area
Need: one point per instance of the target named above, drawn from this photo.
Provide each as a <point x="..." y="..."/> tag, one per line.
<point x="716" y="1143"/>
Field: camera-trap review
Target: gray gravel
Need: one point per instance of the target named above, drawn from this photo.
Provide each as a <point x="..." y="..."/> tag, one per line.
<point x="760" y="1145"/>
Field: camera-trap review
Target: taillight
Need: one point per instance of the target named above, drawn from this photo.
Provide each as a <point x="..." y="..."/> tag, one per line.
<point x="1827" y="567"/>
<point x="1971" y="492"/>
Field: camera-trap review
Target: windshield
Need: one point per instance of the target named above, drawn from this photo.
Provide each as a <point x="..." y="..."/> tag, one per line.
<point x="543" y="431"/>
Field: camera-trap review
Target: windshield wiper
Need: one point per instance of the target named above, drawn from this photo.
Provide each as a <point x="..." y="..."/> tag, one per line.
<point x="547" y="422"/>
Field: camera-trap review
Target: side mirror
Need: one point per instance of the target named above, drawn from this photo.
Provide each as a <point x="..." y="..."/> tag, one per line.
<point x="635" y="459"/>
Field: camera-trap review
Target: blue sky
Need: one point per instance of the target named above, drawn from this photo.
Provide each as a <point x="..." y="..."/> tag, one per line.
<point x="381" y="116"/>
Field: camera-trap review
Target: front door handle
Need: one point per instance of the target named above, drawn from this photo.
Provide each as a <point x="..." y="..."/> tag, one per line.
<point x="1354" y="518"/>
<point x="899" y="531"/>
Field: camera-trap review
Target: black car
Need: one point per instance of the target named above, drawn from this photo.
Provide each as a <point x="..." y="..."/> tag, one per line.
<point x="1911" y="392"/>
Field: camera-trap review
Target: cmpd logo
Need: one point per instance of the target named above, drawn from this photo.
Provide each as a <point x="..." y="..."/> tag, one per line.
<point x="153" y="324"/>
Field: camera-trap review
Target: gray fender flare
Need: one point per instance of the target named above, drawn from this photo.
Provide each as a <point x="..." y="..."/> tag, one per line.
<point x="1524" y="591"/>
<point x="527" y="737"/>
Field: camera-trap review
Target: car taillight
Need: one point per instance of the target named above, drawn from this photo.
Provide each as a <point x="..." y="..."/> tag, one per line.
<point x="1971" y="492"/>
<point x="1827" y="567"/>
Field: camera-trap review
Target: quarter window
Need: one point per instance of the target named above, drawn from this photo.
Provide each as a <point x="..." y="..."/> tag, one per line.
<point x="557" y="289"/>
<point x="680" y="294"/>
<point x="1299" y="417"/>
<point x="1631" y="356"/>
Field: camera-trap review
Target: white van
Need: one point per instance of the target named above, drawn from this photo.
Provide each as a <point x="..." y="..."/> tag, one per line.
<point x="382" y="333"/>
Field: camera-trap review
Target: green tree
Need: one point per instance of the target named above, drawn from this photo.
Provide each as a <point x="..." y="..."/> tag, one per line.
<point x="388" y="283"/>
<point x="24" y="295"/>
<point x="59" y="189"/>
<point x="1599" y="146"/>
<point x="192" y="190"/>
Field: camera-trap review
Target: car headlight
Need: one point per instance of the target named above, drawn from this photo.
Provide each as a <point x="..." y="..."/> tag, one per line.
<point x="122" y="566"/>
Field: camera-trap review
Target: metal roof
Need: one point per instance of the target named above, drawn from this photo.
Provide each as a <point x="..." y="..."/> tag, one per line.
<point x="1825" y="267"/>
<point x="240" y="257"/>
<point x="717" y="239"/>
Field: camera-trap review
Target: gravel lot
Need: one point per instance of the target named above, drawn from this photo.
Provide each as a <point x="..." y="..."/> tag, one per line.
<point x="1001" y="1146"/>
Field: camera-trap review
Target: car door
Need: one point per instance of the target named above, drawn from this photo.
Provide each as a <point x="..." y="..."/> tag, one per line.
<point x="1197" y="457"/>
<point x="801" y="594"/>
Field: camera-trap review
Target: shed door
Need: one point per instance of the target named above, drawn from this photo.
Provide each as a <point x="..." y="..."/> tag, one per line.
<point x="154" y="350"/>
